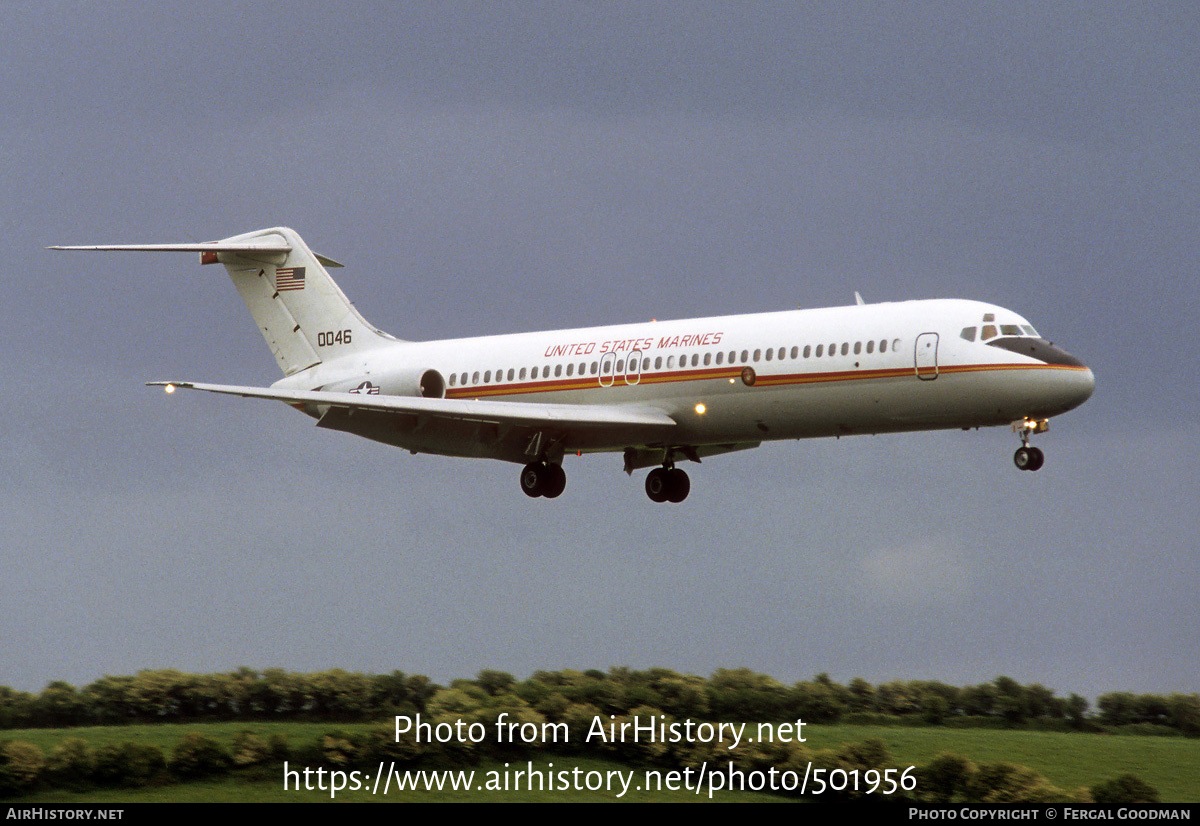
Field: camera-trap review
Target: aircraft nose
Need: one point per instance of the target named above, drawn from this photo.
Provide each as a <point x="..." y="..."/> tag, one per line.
<point x="1076" y="386"/>
<point x="1087" y="384"/>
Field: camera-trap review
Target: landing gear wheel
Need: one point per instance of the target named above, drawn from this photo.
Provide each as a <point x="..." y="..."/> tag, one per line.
<point x="556" y="481"/>
<point x="678" y="485"/>
<point x="1038" y="458"/>
<point x="656" y="485"/>
<point x="1028" y="458"/>
<point x="667" y="484"/>
<point x="541" y="479"/>
<point x="533" y="479"/>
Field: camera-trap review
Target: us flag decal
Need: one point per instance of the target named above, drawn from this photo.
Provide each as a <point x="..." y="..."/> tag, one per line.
<point x="291" y="278"/>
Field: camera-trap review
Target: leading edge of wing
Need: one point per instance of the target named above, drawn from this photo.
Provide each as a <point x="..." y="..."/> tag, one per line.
<point x="465" y="410"/>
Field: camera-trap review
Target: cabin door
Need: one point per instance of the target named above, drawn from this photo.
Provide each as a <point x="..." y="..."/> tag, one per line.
<point x="926" y="356"/>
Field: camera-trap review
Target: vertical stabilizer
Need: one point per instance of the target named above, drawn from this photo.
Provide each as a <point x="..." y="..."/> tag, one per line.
<point x="302" y="314"/>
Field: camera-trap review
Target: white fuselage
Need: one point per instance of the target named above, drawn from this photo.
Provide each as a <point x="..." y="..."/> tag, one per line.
<point x="741" y="379"/>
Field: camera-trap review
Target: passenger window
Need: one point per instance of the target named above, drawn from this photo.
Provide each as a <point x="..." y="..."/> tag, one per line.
<point x="453" y="376"/>
<point x="820" y="350"/>
<point x="745" y="356"/>
<point x="670" y="362"/>
<point x="695" y="359"/>
<point x="707" y="359"/>
<point x="808" y="350"/>
<point x="832" y="349"/>
<point x="968" y="333"/>
<point x="522" y="375"/>
<point x="510" y="374"/>
<point x="475" y="377"/>
<point x="795" y="352"/>
<point x="720" y="358"/>
<point x="645" y="364"/>
<point x="857" y="347"/>
<point x="557" y="370"/>
<point x="658" y="363"/>
<point x="770" y="355"/>
<point x="845" y="348"/>
<point x="571" y="369"/>
<point x="870" y="347"/>
<point x="883" y="346"/>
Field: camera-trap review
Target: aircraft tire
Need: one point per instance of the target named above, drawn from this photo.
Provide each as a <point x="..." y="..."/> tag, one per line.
<point x="555" y="481"/>
<point x="656" y="485"/>
<point x="1038" y="458"/>
<point x="1028" y="458"/>
<point x="533" y="479"/>
<point x="678" y="485"/>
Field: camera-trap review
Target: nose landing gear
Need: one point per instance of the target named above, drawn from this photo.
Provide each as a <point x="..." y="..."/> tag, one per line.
<point x="667" y="484"/>
<point x="1026" y="457"/>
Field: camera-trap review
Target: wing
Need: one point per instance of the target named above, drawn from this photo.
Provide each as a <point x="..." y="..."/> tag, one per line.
<point x="514" y="431"/>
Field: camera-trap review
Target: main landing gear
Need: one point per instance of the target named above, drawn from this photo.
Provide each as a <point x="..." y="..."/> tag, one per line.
<point x="667" y="484"/>
<point x="1026" y="457"/>
<point x="543" y="479"/>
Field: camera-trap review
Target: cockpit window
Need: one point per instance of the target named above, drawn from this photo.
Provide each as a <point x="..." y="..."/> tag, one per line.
<point x="989" y="329"/>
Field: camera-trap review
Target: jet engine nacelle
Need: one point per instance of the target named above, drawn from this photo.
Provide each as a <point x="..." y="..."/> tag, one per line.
<point x="417" y="381"/>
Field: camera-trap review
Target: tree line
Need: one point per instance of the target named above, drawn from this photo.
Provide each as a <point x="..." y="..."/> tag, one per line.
<point x="861" y="770"/>
<point x="728" y="695"/>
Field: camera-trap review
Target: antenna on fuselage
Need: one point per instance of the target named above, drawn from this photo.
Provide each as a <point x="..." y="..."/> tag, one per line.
<point x="858" y="299"/>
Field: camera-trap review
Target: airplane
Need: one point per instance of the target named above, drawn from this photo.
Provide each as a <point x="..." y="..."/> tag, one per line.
<point x="658" y="392"/>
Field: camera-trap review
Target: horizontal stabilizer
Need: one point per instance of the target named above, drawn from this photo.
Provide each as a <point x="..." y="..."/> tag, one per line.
<point x="250" y="247"/>
<point x="247" y="248"/>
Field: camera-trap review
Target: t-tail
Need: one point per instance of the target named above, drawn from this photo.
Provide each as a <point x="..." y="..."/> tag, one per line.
<point x="301" y="312"/>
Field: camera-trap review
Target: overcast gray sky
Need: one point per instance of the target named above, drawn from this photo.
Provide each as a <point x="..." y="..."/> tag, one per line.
<point x="499" y="167"/>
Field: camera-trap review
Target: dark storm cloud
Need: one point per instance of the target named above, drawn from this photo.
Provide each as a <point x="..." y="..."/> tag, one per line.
<point x="496" y="167"/>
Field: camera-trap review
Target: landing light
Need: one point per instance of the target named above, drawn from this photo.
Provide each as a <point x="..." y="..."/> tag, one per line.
<point x="1031" y="425"/>
<point x="170" y="388"/>
<point x="700" y="408"/>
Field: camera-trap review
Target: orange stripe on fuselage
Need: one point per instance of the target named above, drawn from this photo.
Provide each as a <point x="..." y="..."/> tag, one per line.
<point x="769" y="380"/>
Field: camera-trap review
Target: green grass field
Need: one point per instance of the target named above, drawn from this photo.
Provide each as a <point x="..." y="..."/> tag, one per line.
<point x="1170" y="764"/>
